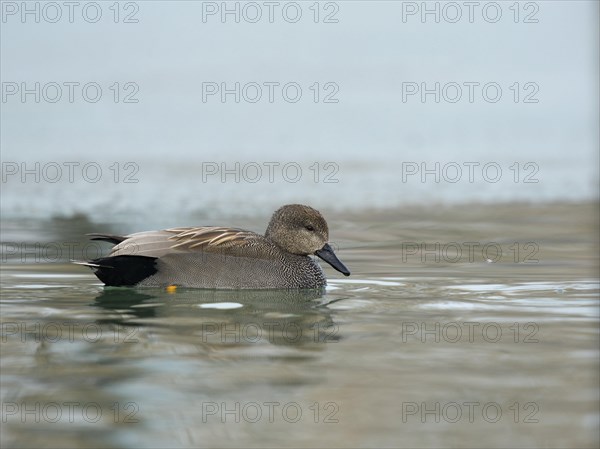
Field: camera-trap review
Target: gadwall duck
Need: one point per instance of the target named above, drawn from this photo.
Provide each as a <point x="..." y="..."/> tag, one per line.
<point x="223" y="258"/>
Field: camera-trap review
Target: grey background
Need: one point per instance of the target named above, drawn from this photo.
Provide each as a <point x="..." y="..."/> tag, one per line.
<point x="367" y="135"/>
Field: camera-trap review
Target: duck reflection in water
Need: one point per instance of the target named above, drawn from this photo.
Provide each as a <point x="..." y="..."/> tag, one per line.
<point x="223" y="318"/>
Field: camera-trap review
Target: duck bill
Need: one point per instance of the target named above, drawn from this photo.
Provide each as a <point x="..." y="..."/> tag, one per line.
<point x="326" y="253"/>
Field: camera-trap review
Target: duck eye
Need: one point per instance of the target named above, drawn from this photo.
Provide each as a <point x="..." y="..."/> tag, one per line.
<point x="309" y="228"/>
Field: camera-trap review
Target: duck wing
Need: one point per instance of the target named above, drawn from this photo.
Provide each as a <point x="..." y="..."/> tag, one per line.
<point x="230" y="241"/>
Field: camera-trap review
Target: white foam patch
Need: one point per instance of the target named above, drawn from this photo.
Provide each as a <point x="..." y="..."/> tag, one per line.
<point x="527" y="287"/>
<point x="449" y="305"/>
<point x="479" y="287"/>
<point x="364" y="281"/>
<point x="221" y="305"/>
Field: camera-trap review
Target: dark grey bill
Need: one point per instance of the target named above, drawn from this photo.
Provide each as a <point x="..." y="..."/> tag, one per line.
<point x="326" y="253"/>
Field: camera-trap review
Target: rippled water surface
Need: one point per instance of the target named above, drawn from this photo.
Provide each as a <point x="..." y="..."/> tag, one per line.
<point x="421" y="346"/>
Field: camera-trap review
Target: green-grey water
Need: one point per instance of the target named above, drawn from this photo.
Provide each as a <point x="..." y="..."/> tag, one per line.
<point x="469" y="326"/>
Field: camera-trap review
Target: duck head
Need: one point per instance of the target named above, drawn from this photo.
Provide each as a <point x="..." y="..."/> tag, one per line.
<point x="302" y="230"/>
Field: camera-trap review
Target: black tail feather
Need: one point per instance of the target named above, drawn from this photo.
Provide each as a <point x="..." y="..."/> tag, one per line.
<point x="124" y="271"/>
<point x="115" y="239"/>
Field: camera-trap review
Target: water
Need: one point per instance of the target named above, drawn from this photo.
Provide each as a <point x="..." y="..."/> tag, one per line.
<point x="410" y="351"/>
